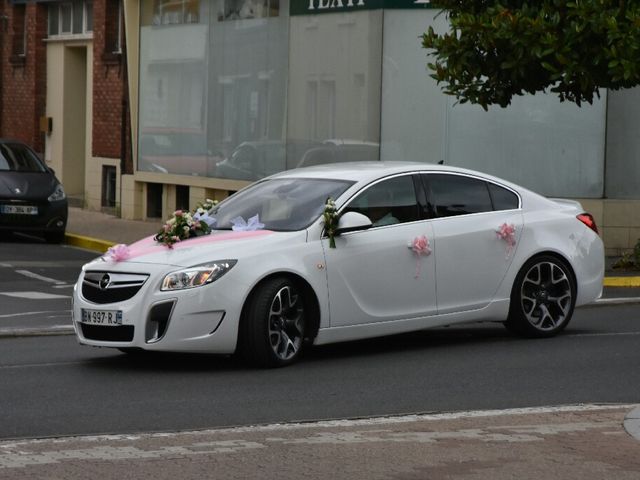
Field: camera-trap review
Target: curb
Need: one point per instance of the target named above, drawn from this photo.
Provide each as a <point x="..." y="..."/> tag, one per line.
<point x="621" y="281"/>
<point x="632" y="423"/>
<point x="88" y="243"/>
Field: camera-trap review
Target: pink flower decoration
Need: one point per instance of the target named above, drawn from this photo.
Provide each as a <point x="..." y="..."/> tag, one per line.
<point x="178" y="213"/>
<point x="420" y="246"/>
<point x="118" y="253"/>
<point x="507" y="232"/>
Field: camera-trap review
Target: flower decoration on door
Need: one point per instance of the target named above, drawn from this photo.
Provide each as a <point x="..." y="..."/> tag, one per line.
<point x="330" y="216"/>
<point x="507" y="233"/>
<point x="421" y="247"/>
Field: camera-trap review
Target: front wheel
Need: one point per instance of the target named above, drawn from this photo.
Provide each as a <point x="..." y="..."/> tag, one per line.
<point x="543" y="298"/>
<point x="273" y="324"/>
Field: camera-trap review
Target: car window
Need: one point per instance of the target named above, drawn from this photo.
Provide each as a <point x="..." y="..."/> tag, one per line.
<point x="387" y="202"/>
<point x="502" y="198"/>
<point x="15" y="157"/>
<point x="458" y="195"/>
<point x="283" y="204"/>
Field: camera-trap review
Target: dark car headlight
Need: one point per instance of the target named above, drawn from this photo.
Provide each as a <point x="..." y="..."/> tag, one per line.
<point x="196" y="276"/>
<point x="58" y="194"/>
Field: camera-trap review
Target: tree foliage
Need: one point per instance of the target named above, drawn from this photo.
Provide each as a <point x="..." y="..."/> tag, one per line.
<point x="497" y="49"/>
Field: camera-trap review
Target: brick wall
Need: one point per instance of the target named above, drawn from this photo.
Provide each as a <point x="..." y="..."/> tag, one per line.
<point x="109" y="85"/>
<point x="23" y="96"/>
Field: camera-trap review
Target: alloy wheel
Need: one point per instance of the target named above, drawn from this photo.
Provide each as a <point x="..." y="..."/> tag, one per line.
<point x="546" y="296"/>
<point x="286" y="323"/>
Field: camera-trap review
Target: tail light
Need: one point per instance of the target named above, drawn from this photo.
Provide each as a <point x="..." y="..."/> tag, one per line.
<point x="588" y="220"/>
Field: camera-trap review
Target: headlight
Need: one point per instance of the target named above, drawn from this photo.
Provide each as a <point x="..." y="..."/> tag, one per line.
<point x="196" y="276"/>
<point x="58" y="194"/>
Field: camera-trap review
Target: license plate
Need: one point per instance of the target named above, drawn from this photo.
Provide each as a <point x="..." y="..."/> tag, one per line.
<point x="19" y="209"/>
<point x="102" y="317"/>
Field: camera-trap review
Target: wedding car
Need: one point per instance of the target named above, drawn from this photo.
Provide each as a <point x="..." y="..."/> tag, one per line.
<point x="342" y="252"/>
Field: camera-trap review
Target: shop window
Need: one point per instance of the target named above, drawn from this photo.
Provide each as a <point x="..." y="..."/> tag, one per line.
<point x="154" y="200"/>
<point x="243" y="9"/>
<point x="182" y="197"/>
<point x="108" y="186"/>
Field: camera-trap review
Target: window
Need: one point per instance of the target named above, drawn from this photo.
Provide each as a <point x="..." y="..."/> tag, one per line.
<point x="172" y="12"/>
<point x="502" y="198"/>
<point x="71" y="18"/>
<point x="19" y="36"/>
<point x="113" y="28"/>
<point x="388" y="202"/>
<point x="108" y="186"/>
<point x="458" y="195"/>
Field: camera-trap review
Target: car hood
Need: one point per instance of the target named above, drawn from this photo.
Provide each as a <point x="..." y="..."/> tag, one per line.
<point x="26" y="185"/>
<point x="219" y="245"/>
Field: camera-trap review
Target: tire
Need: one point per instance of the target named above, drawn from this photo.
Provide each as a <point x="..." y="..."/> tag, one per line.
<point x="273" y="324"/>
<point x="54" y="237"/>
<point x="543" y="298"/>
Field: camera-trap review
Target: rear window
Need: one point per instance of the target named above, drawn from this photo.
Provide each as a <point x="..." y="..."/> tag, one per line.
<point x="502" y="198"/>
<point x="458" y="195"/>
<point x="15" y="157"/>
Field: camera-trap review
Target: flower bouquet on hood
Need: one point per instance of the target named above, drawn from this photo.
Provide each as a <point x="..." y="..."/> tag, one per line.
<point x="183" y="225"/>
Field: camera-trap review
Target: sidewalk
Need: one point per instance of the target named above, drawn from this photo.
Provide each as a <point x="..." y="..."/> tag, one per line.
<point x="98" y="231"/>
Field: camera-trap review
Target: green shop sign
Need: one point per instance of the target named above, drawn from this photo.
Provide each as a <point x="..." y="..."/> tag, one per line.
<point x="314" y="7"/>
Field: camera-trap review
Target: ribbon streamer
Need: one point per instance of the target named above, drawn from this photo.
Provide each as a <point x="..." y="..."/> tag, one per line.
<point x="240" y="225"/>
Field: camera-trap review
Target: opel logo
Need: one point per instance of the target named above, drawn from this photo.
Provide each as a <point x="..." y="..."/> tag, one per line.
<point x="105" y="281"/>
<point x="18" y="191"/>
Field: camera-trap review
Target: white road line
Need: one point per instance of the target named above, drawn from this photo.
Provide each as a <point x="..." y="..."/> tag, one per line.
<point x="607" y="334"/>
<point x="64" y="286"/>
<point x="34" y="295"/>
<point x="26" y="314"/>
<point x="36" y="276"/>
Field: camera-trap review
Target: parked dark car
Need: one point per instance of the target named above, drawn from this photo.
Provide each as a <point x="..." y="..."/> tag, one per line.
<point x="32" y="199"/>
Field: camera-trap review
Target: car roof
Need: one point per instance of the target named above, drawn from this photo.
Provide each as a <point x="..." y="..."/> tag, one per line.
<point x="367" y="171"/>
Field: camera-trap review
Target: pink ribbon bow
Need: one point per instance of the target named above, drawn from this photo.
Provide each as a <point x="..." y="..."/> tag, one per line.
<point x="117" y="253"/>
<point x="507" y="233"/>
<point x="420" y="246"/>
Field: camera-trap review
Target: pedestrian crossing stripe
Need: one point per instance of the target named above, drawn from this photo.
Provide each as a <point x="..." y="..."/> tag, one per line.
<point x="34" y="295"/>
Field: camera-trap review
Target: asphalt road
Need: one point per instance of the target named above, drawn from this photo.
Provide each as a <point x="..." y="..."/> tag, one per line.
<point x="52" y="386"/>
<point x="36" y="280"/>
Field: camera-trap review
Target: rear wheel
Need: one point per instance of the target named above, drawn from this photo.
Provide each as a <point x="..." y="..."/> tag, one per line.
<point x="273" y="324"/>
<point x="543" y="298"/>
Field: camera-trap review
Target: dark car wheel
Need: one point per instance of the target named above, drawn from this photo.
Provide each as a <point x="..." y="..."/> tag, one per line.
<point x="273" y="324"/>
<point x="54" y="237"/>
<point x="543" y="298"/>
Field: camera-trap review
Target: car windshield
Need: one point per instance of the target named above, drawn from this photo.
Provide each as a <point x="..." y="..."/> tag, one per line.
<point x="18" y="158"/>
<point x="286" y="204"/>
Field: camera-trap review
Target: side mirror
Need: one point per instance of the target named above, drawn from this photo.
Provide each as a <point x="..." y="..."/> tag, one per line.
<point x="352" y="222"/>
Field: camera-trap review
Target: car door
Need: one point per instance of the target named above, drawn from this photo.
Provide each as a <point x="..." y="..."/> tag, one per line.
<point x="374" y="275"/>
<point x="471" y="259"/>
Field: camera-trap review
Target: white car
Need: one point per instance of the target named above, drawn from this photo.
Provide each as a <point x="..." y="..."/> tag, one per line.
<point x="416" y="246"/>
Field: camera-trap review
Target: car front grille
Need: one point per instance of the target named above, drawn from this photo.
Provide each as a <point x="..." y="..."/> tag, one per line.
<point x="110" y="287"/>
<point x="121" y="333"/>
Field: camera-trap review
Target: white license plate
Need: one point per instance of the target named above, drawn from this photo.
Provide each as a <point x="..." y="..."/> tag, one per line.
<point x="19" y="209"/>
<point x="102" y="317"/>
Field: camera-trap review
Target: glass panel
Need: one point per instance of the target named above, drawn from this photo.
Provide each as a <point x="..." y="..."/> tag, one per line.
<point x="281" y="204"/>
<point x="78" y="12"/>
<point x="65" y="14"/>
<point x="388" y="202"/>
<point x="53" y="19"/>
<point x="413" y="105"/>
<point x="334" y="87"/>
<point x="502" y="198"/>
<point x="458" y="195"/>
<point x="88" y="12"/>
<point x="15" y="157"/>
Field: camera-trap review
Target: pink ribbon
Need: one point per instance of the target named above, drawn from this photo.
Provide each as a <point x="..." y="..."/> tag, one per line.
<point x="148" y="245"/>
<point x="420" y="246"/>
<point x="117" y="253"/>
<point x="507" y="233"/>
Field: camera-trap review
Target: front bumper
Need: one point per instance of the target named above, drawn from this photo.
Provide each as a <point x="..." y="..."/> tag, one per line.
<point x="51" y="217"/>
<point x="203" y="319"/>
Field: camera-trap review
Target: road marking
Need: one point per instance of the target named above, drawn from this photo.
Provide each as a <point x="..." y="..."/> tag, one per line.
<point x="26" y="314"/>
<point x="607" y="334"/>
<point x="36" y="276"/>
<point x="34" y="295"/>
<point x="64" y="286"/>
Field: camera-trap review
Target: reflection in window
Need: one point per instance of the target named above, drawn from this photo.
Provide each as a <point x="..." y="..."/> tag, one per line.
<point x="458" y="195"/>
<point x="241" y="9"/>
<point x="172" y="12"/>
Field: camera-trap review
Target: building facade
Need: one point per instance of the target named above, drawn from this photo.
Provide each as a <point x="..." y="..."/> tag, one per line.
<point x="210" y="95"/>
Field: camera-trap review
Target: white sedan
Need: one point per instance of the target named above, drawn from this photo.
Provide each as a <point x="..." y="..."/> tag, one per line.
<point x="415" y="246"/>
